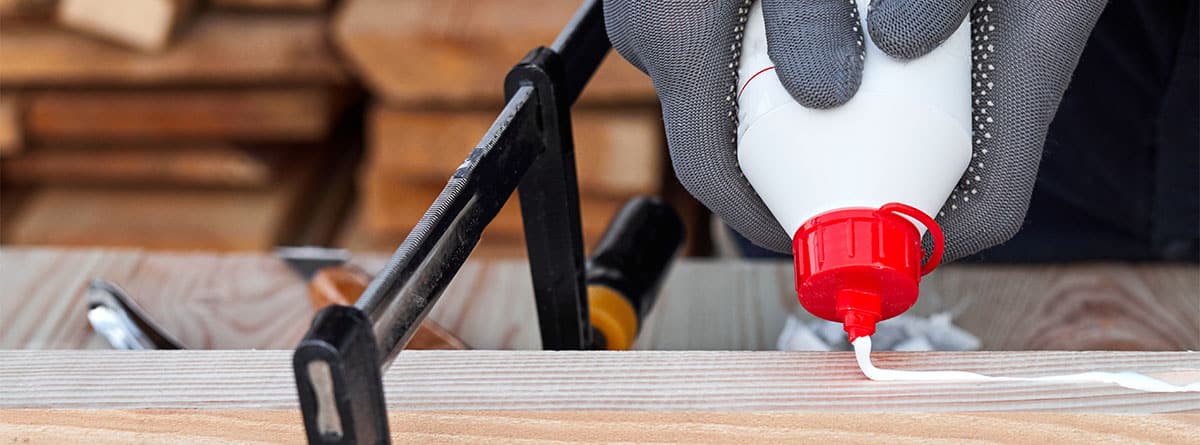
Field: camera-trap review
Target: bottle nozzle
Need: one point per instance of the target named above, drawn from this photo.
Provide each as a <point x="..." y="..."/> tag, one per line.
<point x="859" y="312"/>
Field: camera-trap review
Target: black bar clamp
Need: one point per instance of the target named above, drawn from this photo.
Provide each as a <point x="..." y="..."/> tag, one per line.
<point x="529" y="148"/>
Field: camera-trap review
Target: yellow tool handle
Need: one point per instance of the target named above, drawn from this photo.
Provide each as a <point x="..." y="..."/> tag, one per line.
<point x="627" y="269"/>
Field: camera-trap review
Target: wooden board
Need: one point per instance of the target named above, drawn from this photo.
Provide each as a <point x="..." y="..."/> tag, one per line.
<point x="218" y="49"/>
<point x="42" y="301"/>
<point x="11" y="138"/>
<point x="501" y="381"/>
<point x="26" y="10"/>
<point x="11" y="198"/>
<point x="617" y="153"/>
<point x="704" y="305"/>
<point x="162" y="218"/>
<point x="332" y="199"/>
<point x="589" y="427"/>
<point x="272" y="5"/>
<point x="198" y="165"/>
<point x="355" y="235"/>
<point x="141" y="24"/>
<point x="395" y="206"/>
<point x="288" y="114"/>
<point x="458" y="52"/>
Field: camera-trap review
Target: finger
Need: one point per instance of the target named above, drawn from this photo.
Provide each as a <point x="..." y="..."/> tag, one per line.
<point x="817" y="48"/>
<point x="625" y="28"/>
<point x="909" y="29"/>
<point x="687" y="48"/>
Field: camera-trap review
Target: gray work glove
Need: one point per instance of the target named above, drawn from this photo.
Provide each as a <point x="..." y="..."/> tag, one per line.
<point x="1024" y="52"/>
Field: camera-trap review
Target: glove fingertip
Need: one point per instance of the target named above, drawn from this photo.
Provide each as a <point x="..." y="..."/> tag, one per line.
<point x="908" y="29"/>
<point x="817" y="49"/>
<point x="822" y="87"/>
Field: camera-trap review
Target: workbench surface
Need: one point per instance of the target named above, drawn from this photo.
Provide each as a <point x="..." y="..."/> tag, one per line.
<point x="599" y="397"/>
<point x="242" y="301"/>
<point x="254" y="301"/>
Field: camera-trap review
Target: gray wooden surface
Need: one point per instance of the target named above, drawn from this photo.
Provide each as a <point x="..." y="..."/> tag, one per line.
<point x="240" y="301"/>
<point x="599" y="380"/>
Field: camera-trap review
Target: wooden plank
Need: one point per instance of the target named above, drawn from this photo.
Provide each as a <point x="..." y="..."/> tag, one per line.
<point x="218" y="49"/>
<point x="1062" y="307"/>
<point x="199" y="165"/>
<point x="162" y="218"/>
<point x="391" y="205"/>
<point x="11" y="198"/>
<point x="289" y="114"/>
<point x="223" y="302"/>
<point x="597" y="380"/>
<point x="568" y="427"/>
<point x="235" y="294"/>
<point x="272" y="5"/>
<point x="705" y="305"/>
<point x="141" y="24"/>
<point x="333" y="198"/>
<point x="42" y="294"/>
<point x="356" y="236"/>
<point x="26" y="10"/>
<point x="464" y="49"/>
<point x="617" y="153"/>
<point x="1045" y="307"/>
<point x="11" y="138"/>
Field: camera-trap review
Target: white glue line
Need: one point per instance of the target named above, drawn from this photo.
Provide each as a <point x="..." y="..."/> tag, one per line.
<point x="1131" y="380"/>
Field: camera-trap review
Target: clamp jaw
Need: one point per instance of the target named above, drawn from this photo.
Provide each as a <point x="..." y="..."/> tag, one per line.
<point x="529" y="149"/>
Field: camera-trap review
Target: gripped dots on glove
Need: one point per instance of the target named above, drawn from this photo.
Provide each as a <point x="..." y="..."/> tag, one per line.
<point x="1023" y="53"/>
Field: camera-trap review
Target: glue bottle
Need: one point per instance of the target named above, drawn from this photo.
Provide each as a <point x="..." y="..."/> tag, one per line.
<point x="857" y="185"/>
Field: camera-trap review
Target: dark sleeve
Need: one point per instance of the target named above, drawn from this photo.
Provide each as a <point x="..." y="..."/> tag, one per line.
<point x="1120" y="176"/>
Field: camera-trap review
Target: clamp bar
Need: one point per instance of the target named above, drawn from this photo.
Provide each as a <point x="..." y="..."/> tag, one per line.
<point x="405" y="290"/>
<point x="549" y="191"/>
<point x="528" y="149"/>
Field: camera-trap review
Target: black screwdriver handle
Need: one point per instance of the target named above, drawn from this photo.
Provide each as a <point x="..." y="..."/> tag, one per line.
<point x="631" y="260"/>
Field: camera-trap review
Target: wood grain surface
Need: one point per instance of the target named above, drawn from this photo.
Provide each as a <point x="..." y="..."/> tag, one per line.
<point x="597" y="380"/>
<point x="391" y="204"/>
<point x="26" y="10"/>
<point x="146" y="25"/>
<point x="456" y="52"/>
<point x="355" y="235"/>
<point x="164" y="217"/>
<point x="589" y="427"/>
<point x="218" y="49"/>
<point x="276" y="114"/>
<point x="271" y="5"/>
<point x="11" y="137"/>
<point x="617" y="153"/>
<point x="238" y="301"/>
<point x="190" y="165"/>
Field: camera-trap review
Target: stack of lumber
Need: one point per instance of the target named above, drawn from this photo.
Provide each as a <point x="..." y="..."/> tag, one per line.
<point x="173" y="124"/>
<point x="436" y="71"/>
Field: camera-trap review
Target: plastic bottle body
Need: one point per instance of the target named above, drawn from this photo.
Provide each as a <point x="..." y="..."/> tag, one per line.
<point x="857" y="185"/>
<point x="904" y="137"/>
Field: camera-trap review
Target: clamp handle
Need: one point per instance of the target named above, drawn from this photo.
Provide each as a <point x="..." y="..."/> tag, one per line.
<point x="627" y="269"/>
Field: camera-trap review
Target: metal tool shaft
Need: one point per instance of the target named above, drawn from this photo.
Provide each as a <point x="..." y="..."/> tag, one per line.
<point x="339" y="362"/>
<point x="530" y="145"/>
<point x="405" y="290"/>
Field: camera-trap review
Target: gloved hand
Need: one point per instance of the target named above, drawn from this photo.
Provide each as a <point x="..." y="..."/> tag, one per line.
<point x="1023" y="51"/>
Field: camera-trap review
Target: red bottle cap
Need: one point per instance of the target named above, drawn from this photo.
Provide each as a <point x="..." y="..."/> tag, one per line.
<point x="858" y="266"/>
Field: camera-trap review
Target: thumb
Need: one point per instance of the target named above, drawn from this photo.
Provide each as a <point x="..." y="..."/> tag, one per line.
<point x="817" y="48"/>
<point x="909" y="29"/>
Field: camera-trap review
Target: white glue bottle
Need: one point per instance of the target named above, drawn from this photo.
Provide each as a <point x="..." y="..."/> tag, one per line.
<point x="857" y="184"/>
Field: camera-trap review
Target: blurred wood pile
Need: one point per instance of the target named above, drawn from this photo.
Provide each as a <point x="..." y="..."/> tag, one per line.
<point x="236" y="124"/>
<point x="436" y="69"/>
<point x="172" y="124"/>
